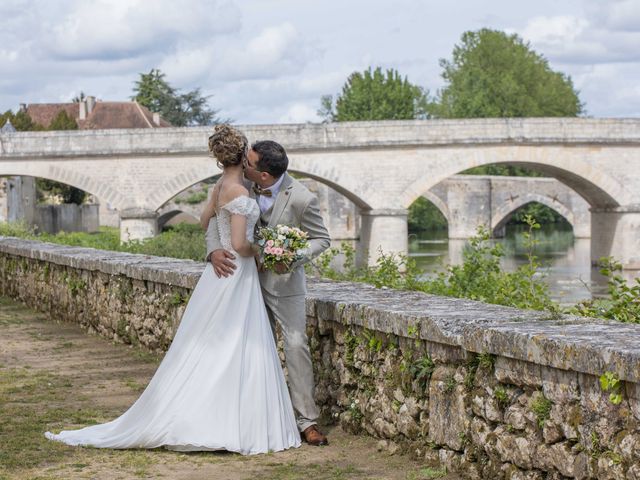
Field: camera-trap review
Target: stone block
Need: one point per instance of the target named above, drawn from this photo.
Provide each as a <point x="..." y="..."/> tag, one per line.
<point x="557" y="457"/>
<point x="448" y="416"/>
<point x="634" y="472"/>
<point x="516" y="449"/>
<point x="560" y="386"/>
<point x="600" y="417"/>
<point x="517" y="372"/>
<point x="515" y="415"/>
<point x="443" y="353"/>
<point x="633" y="394"/>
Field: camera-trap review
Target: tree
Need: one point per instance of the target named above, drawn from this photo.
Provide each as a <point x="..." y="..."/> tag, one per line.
<point x="375" y="95"/>
<point x="79" y="98"/>
<point x="493" y="74"/>
<point x="180" y="109"/>
<point x="378" y="95"/>
<point x="424" y="216"/>
<point x="21" y="121"/>
<point x="62" y="121"/>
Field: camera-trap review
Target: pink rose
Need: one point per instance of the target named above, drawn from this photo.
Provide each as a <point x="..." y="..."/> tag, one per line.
<point x="269" y="243"/>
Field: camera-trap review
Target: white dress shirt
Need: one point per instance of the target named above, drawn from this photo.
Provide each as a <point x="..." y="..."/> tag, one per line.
<point x="264" y="202"/>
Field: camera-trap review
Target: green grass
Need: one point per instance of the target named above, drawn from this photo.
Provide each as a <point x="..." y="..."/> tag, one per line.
<point x="33" y="402"/>
<point x="427" y="473"/>
<point x="541" y="407"/>
<point x="180" y="241"/>
<point x="292" y="471"/>
<point x="133" y="385"/>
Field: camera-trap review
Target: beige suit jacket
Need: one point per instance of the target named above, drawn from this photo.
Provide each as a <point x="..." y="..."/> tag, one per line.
<point x="294" y="206"/>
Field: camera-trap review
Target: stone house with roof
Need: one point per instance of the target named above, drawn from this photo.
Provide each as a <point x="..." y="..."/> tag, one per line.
<point x="92" y="114"/>
<point x="18" y="193"/>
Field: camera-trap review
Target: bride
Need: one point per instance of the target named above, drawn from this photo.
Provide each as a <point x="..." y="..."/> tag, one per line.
<point x="220" y="385"/>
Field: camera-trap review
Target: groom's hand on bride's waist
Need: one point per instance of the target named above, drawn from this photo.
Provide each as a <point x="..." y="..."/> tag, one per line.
<point x="222" y="263"/>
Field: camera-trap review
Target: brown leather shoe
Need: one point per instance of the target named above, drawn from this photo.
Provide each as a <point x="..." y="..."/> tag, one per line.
<point x="313" y="436"/>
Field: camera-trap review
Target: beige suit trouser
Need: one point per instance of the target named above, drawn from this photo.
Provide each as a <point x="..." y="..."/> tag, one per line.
<point x="290" y="314"/>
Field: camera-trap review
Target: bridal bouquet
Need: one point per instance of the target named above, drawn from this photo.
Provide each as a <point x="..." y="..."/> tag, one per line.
<point x="282" y="244"/>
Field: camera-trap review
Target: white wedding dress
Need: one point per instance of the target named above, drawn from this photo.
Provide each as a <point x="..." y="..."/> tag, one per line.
<point x="220" y="385"/>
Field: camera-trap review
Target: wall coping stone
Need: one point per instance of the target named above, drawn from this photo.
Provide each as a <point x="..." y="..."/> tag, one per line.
<point x="340" y="135"/>
<point x="581" y="344"/>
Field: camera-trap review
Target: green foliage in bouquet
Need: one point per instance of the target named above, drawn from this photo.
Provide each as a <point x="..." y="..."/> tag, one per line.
<point x="281" y="245"/>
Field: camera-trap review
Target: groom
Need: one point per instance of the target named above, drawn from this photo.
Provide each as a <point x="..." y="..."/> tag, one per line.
<point x="283" y="200"/>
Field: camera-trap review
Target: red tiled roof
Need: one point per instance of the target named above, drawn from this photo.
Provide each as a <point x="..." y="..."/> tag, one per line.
<point x="104" y="115"/>
<point x="44" y="113"/>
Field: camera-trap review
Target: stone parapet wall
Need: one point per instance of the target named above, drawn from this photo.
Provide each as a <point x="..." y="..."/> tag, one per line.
<point x="301" y="137"/>
<point x="491" y="391"/>
<point x="136" y="299"/>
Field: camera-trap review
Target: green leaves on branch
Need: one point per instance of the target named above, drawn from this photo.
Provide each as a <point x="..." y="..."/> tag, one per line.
<point x="62" y="121"/>
<point x="180" y="109"/>
<point x="490" y="74"/>
<point x="609" y="382"/>
<point x="425" y="216"/>
<point x="480" y="276"/>
<point x="493" y="74"/>
<point x="21" y="121"/>
<point x="375" y="95"/>
<point x="623" y="303"/>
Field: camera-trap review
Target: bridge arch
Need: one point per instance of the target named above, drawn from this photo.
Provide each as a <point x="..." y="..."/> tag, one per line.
<point x="439" y="203"/>
<point x="503" y="213"/>
<point x="171" y="188"/>
<point x="594" y="185"/>
<point x="60" y="174"/>
<point x="165" y="216"/>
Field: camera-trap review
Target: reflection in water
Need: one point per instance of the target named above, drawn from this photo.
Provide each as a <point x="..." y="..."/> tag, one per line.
<point x="566" y="260"/>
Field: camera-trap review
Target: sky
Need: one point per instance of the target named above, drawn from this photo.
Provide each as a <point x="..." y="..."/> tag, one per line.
<point x="270" y="61"/>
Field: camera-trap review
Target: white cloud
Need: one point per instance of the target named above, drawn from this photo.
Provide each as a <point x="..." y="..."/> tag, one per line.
<point x="622" y="15"/>
<point x="554" y="31"/>
<point x="266" y="61"/>
<point x="299" y="113"/>
<point x="111" y="29"/>
<point x="578" y="40"/>
<point x="274" y="52"/>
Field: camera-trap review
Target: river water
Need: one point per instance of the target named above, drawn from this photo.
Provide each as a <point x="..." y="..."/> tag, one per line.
<point x="566" y="259"/>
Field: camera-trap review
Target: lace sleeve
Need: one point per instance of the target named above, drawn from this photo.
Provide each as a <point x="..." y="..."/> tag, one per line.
<point x="241" y="205"/>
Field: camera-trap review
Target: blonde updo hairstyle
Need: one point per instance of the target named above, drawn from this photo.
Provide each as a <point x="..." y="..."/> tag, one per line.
<point x="227" y="145"/>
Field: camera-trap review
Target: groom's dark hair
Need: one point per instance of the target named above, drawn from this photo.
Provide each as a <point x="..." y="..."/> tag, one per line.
<point x="272" y="157"/>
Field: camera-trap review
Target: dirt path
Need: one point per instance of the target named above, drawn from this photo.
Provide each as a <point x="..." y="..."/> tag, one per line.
<point x="55" y="376"/>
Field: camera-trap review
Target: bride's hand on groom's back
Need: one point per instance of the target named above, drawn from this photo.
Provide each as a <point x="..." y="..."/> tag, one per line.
<point x="222" y="263"/>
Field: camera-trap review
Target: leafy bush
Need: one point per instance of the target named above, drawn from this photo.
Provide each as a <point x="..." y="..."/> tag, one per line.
<point x="623" y="303"/>
<point x="480" y="276"/>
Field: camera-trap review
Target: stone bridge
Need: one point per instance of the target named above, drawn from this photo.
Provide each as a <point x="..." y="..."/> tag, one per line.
<point x="467" y="201"/>
<point x="382" y="167"/>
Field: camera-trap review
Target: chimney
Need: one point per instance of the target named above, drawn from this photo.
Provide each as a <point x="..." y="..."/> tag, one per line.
<point x="156" y="118"/>
<point x="82" y="105"/>
<point x="23" y="107"/>
<point x="91" y="102"/>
